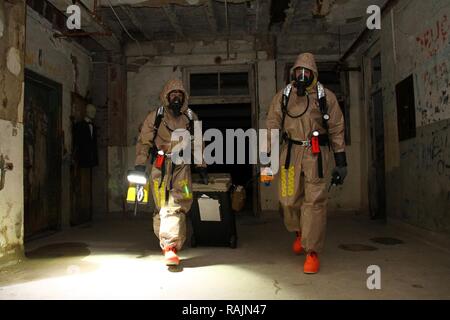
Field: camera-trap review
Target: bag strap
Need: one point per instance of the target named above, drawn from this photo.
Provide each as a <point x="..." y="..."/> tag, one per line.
<point x="284" y="103"/>
<point x="321" y="96"/>
<point x="190" y="116"/>
<point x="156" y="125"/>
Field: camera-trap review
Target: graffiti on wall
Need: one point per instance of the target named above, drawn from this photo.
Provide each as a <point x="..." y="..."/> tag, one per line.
<point x="435" y="152"/>
<point x="433" y="78"/>
<point x="435" y="83"/>
<point x="435" y="38"/>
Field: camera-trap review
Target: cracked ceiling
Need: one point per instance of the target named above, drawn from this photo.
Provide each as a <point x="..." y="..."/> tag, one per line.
<point x="335" y="23"/>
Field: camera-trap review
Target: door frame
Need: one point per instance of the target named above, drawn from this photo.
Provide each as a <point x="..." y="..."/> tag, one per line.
<point x="370" y="89"/>
<point x="250" y="98"/>
<point x="32" y="76"/>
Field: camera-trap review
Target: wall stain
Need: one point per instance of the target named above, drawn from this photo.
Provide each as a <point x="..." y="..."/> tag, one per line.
<point x="75" y="71"/>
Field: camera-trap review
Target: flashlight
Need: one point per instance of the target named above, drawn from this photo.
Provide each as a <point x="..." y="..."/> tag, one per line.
<point x="137" y="177"/>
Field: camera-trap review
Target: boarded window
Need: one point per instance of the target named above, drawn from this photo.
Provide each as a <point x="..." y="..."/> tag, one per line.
<point x="406" y="111"/>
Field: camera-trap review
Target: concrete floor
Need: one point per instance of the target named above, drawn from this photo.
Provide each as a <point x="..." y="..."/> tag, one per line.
<point x="119" y="258"/>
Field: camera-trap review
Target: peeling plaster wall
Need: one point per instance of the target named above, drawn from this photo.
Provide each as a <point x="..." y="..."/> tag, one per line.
<point x="11" y="197"/>
<point x="11" y="61"/>
<point x="63" y="62"/>
<point x="418" y="170"/>
<point x="12" y="37"/>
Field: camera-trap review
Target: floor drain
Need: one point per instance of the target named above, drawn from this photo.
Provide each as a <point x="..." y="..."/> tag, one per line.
<point x="387" y="241"/>
<point x="357" y="247"/>
<point x="58" y="250"/>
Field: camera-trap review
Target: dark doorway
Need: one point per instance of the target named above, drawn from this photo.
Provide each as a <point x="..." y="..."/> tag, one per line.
<point x="230" y="116"/>
<point x="42" y="154"/>
<point x="377" y="190"/>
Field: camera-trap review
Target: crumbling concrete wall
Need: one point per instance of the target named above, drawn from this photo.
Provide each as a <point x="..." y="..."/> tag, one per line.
<point x="418" y="169"/>
<point x="68" y="64"/>
<point x="12" y="38"/>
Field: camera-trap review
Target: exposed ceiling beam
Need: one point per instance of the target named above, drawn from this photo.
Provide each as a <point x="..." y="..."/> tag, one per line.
<point x="290" y="13"/>
<point x="91" y="23"/>
<point x="263" y="16"/>
<point x="135" y="21"/>
<point x="211" y="16"/>
<point x="171" y="15"/>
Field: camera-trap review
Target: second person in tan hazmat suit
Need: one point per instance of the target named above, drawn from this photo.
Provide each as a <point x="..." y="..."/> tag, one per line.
<point x="170" y="183"/>
<point x="312" y="126"/>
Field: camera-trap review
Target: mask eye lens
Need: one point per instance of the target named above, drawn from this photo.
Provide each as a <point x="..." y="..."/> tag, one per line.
<point x="304" y="75"/>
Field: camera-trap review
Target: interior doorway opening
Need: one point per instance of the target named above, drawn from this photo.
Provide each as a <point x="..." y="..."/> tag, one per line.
<point x="230" y="116"/>
<point x="224" y="98"/>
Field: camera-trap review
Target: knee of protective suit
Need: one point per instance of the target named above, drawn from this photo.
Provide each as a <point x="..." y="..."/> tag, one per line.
<point x="316" y="193"/>
<point x="172" y="230"/>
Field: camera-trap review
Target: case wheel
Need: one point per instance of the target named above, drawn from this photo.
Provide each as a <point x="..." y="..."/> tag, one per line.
<point x="233" y="242"/>
<point x="193" y="242"/>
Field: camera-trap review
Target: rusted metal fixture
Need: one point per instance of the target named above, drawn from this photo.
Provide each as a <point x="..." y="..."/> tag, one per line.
<point x="4" y="166"/>
<point x="81" y="34"/>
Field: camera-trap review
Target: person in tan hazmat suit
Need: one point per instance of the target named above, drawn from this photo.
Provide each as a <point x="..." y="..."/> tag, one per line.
<point x="311" y="125"/>
<point x="170" y="183"/>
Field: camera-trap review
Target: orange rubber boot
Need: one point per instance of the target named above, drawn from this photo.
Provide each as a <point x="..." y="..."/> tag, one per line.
<point x="170" y="257"/>
<point x="297" y="245"/>
<point x="312" y="264"/>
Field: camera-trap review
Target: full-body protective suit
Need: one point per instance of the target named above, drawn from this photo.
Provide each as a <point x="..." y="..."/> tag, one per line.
<point x="171" y="184"/>
<point x="305" y="111"/>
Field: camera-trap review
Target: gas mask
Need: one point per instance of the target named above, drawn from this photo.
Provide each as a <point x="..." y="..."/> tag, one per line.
<point x="303" y="81"/>
<point x="175" y="105"/>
